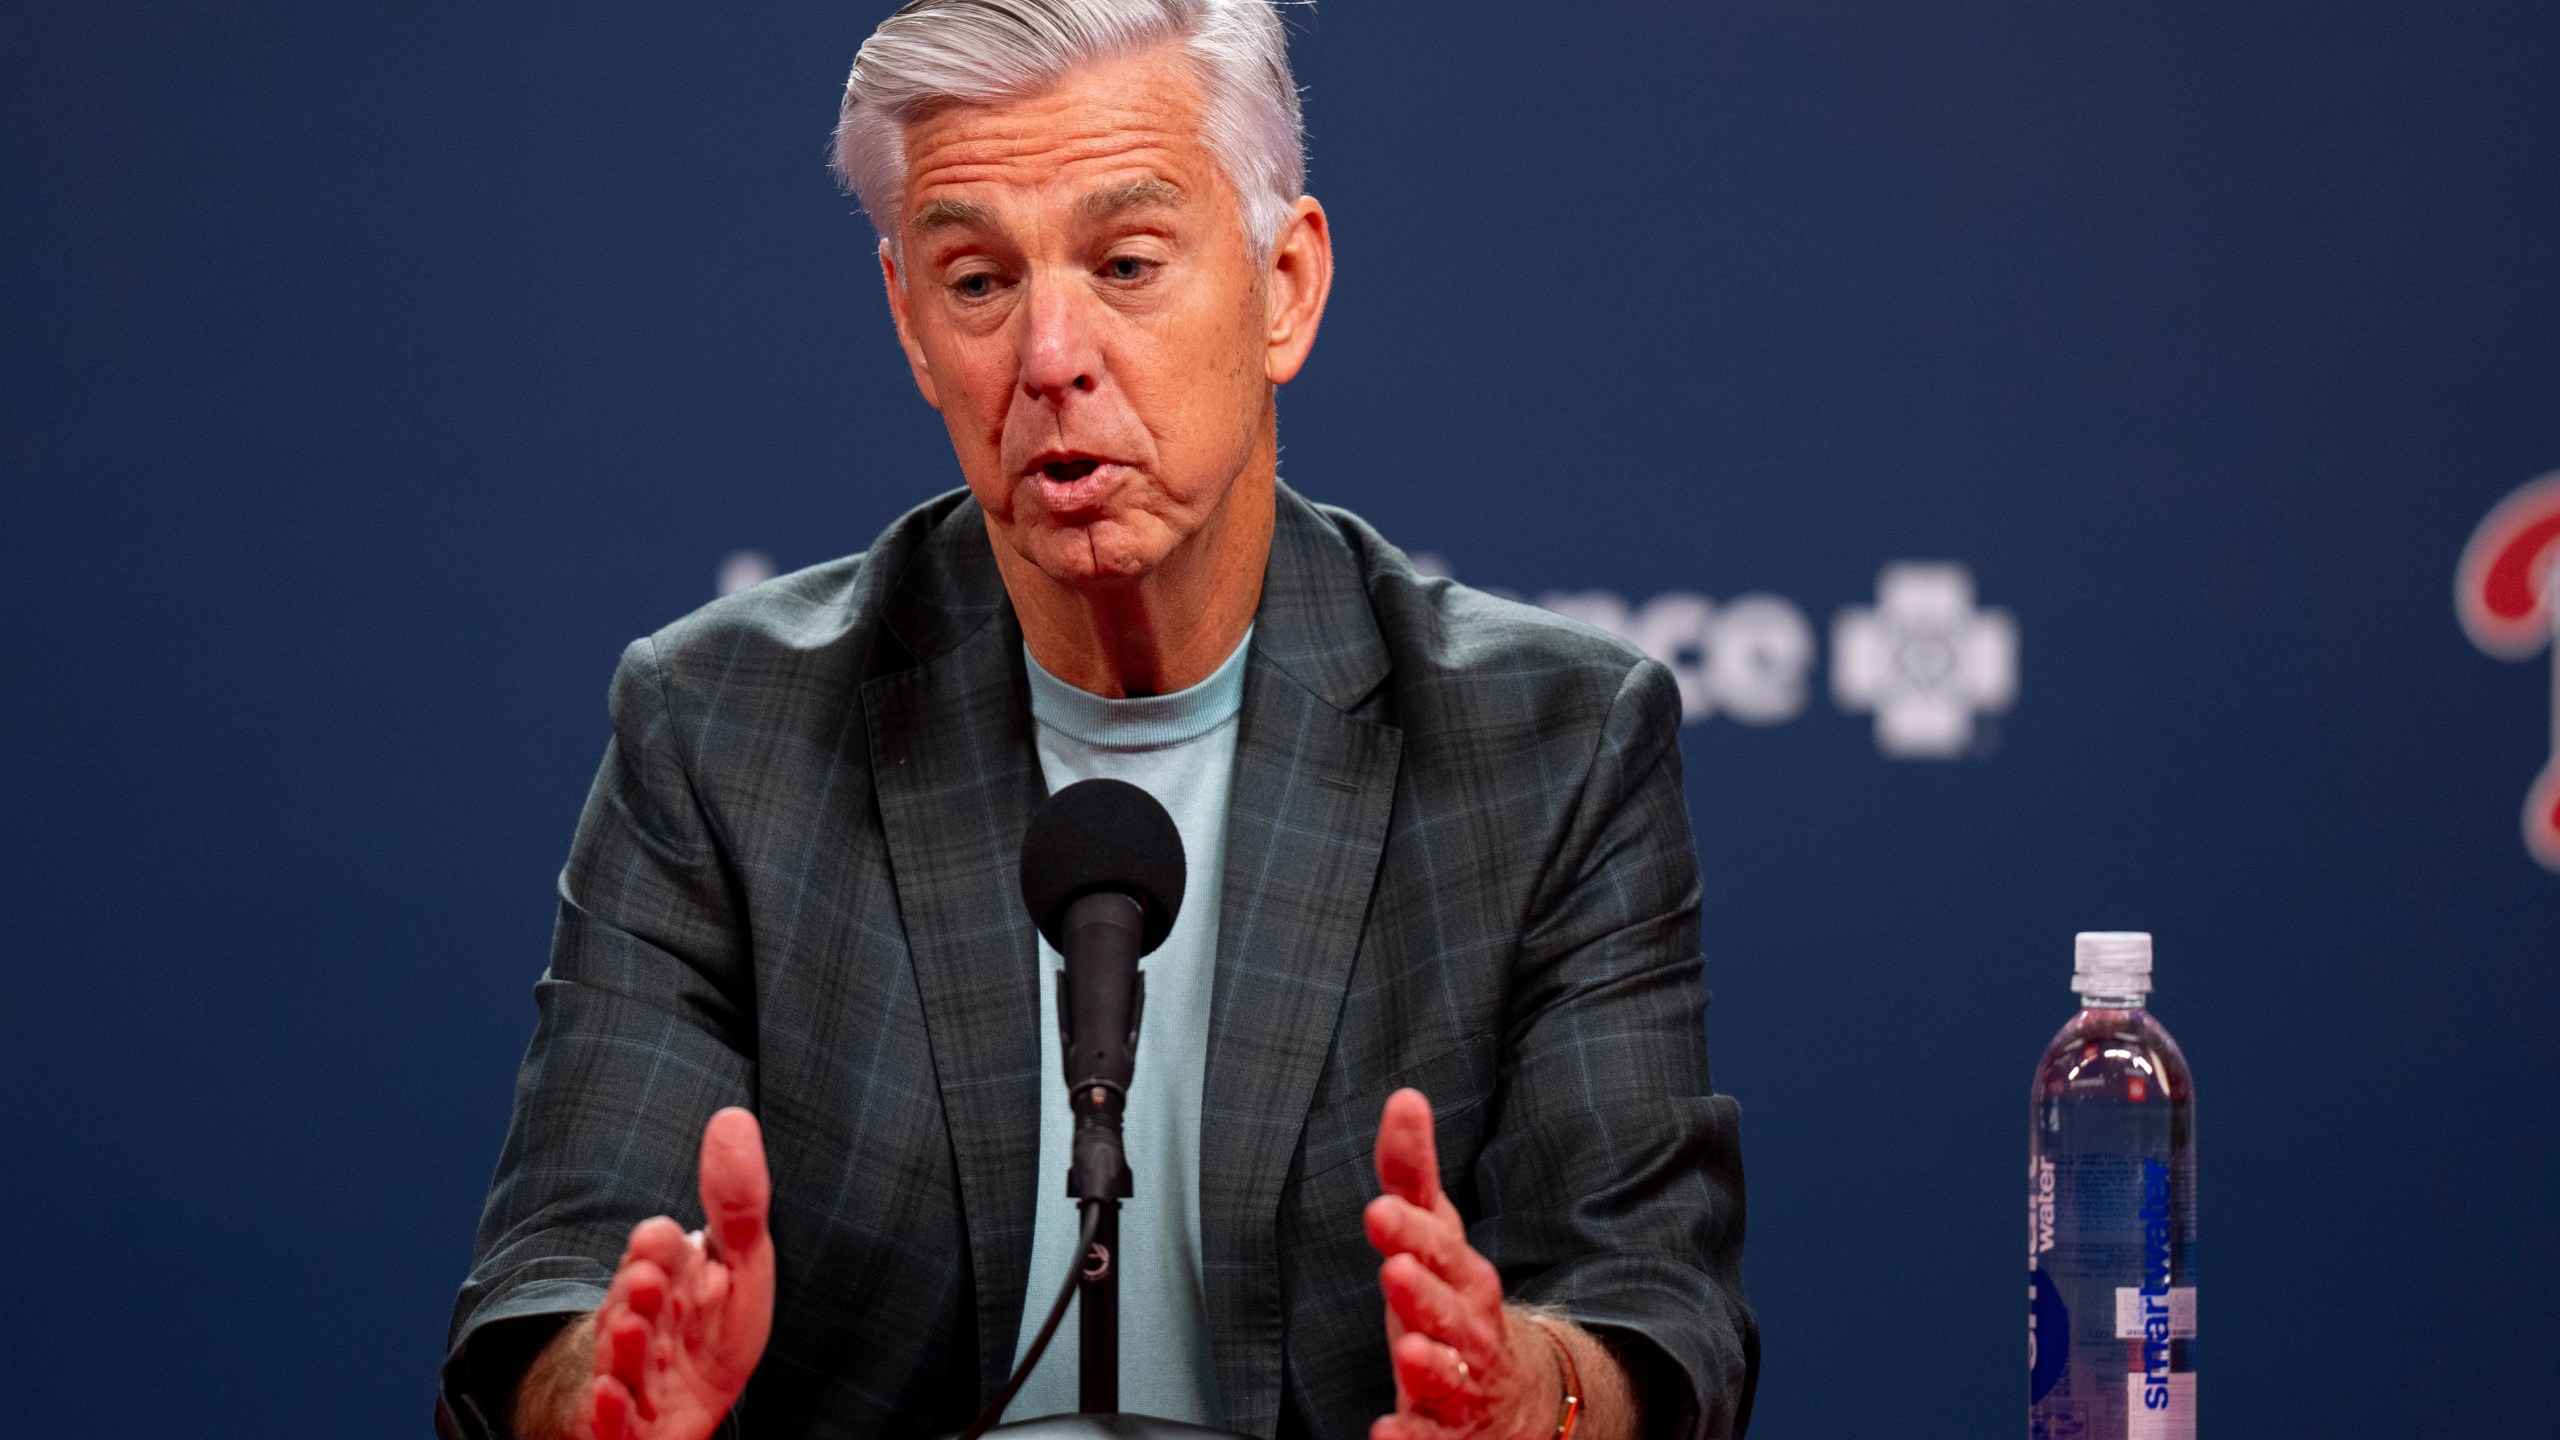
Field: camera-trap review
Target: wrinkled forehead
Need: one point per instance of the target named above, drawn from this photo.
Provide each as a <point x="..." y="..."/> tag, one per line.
<point x="1109" y="137"/>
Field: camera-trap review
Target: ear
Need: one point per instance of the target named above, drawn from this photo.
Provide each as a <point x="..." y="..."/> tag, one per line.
<point x="917" y="364"/>
<point x="1297" y="278"/>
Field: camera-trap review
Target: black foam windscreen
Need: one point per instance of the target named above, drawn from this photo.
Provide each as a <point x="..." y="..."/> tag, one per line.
<point x="1102" y="835"/>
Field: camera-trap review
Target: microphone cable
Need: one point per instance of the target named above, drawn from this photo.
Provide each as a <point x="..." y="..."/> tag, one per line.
<point x="988" y="1417"/>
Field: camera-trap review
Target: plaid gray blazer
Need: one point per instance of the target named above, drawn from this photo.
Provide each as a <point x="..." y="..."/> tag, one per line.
<point x="1457" y="859"/>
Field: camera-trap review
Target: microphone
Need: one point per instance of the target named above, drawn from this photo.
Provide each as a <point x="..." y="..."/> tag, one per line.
<point x="1102" y="874"/>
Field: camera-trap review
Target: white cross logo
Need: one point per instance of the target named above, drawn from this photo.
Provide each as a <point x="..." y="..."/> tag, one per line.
<point x="1925" y="660"/>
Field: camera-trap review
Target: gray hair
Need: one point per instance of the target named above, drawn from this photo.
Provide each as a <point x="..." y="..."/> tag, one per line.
<point x="978" y="52"/>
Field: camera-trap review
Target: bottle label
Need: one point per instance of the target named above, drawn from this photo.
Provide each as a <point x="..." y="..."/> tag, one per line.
<point x="2111" y="1257"/>
<point x="2048" y="1336"/>
<point x="2162" y="1410"/>
<point x="2159" y="1403"/>
<point x="2039" y="1207"/>
<point x="2137" y="1309"/>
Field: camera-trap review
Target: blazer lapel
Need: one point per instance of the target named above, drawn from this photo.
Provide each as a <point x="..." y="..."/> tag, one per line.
<point x="1314" y="783"/>
<point x="957" y="778"/>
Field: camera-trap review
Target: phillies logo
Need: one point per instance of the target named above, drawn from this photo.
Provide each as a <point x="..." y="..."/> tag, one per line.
<point x="2507" y="591"/>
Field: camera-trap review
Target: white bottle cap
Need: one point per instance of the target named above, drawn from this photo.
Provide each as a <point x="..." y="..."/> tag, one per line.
<point x="2114" y="963"/>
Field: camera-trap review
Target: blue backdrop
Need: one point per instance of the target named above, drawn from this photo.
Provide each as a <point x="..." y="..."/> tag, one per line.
<point x="370" y="373"/>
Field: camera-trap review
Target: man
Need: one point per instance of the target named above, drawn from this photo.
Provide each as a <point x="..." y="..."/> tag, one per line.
<point x="1437" y="846"/>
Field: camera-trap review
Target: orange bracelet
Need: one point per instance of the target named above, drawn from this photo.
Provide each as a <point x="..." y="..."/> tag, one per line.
<point x="1569" y="1378"/>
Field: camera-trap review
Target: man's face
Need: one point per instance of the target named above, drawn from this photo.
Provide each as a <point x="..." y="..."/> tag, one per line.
<point x="1081" y="301"/>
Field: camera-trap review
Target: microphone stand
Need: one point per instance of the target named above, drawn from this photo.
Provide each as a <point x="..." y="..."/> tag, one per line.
<point x="1098" y="1315"/>
<point x="1101" y="998"/>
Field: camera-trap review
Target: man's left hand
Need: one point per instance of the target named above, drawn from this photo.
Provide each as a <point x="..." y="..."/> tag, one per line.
<point x="1466" y="1364"/>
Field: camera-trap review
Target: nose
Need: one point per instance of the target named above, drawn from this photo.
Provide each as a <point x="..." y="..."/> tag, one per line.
<point x="1059" y="353"/>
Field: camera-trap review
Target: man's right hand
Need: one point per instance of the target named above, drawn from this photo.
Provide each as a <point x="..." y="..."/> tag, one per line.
<point x="684" y="1323"/>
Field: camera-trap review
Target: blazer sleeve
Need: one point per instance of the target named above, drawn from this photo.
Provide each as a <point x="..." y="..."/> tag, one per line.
<point x="643" y="1031"/>
<point x="1611" y="1184"/>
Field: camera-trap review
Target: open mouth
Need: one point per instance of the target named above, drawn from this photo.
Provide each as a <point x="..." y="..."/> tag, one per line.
<point x="1073" y="487"/>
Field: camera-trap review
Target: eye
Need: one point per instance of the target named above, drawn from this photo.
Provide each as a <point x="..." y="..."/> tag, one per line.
<point x="1126" y="269"/>
<point x="976" y="285"/>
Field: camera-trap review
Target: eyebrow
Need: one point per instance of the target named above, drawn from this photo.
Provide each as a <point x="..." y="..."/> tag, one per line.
<point x="953" y="215"/>
<point x="940" y="215"/>
<point x="1136" y="195"/>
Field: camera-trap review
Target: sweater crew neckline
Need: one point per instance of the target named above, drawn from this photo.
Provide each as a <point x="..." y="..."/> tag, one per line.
<point x="1143" y="722"/>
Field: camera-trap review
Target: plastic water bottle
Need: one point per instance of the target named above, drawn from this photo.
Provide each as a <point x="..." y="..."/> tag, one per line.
<point x="2111" y="1214"/>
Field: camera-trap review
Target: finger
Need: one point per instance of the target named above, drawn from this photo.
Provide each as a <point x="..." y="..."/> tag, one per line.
<point x="1437" y="1384"/>
<point x="727" y="1311"/>
<point x="643" y="1288"/>
<point x="679" y="1262"/>
<point x="658" y="1240"/>
<point x="1408" y="1159"/>
<point x="616" y="1306"/>
<point x="622" y="1351"/>
<point x="608" y="1408"/>
<point x="643" y="1244"/>
<point x="1426" y="1305"/>
<point x="1397" y="1227"/>
<point x="693" y="1304"/>
<point x="710" y="1287"/>
<point x="736" y="1188"/>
